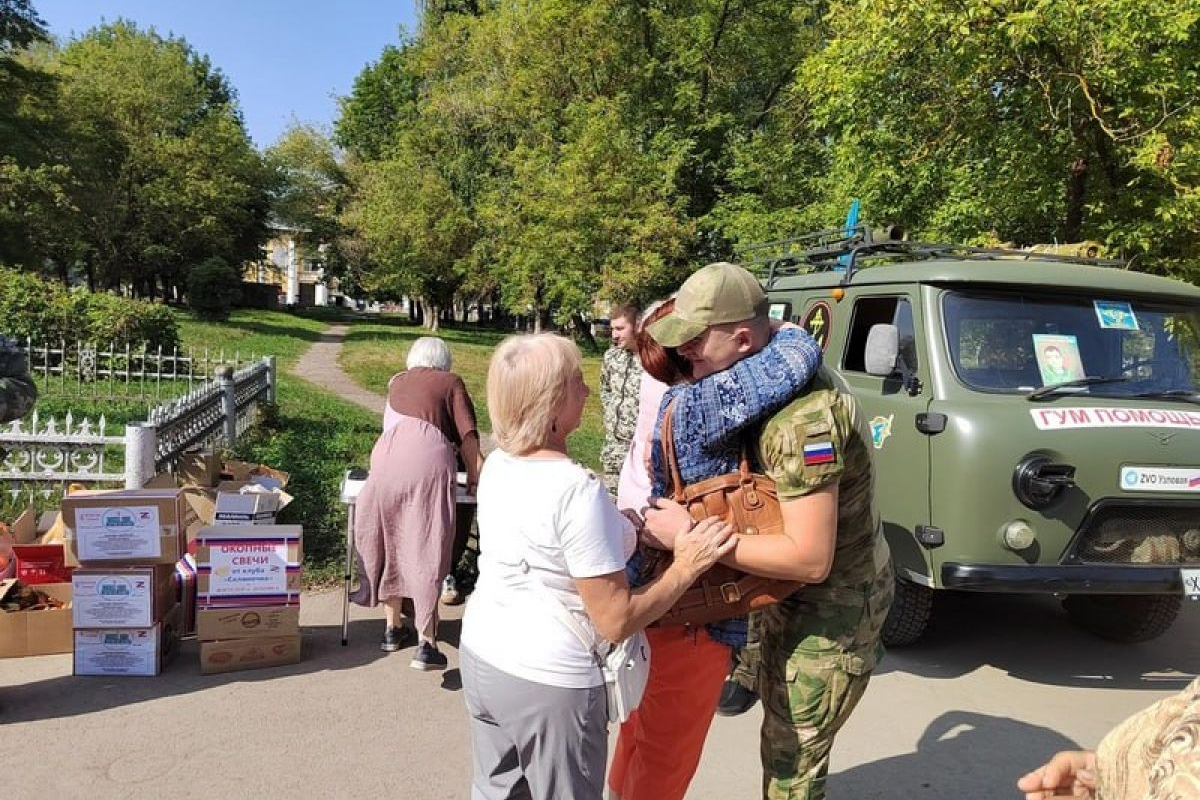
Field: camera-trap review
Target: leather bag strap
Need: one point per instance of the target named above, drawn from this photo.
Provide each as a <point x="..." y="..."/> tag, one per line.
<point x="670" y="460"/>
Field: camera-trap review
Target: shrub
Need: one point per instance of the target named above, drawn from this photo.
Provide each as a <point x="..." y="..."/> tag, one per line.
<point x="119" y="319"/>
<point x="213" y="288"/>
<point x="46" y="311"/>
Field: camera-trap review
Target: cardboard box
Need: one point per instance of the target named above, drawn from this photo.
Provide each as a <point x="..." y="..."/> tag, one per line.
<point x="238" y="654"/>
<point x="24" y="527"/>
<point x="199" y="468"/>
<point x="247" y="503"/>
<point x="143" y="526"/>
<point x="218" y="624"/>
<point x="38" y="633"/>
<point x="248" y="565"/>
<point x="128" y="651"/>
<point x="248" y="471"/>
<point x="123" y="597"/>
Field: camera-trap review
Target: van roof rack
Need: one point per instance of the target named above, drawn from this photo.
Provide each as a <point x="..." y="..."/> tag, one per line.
<point x="844" y="250"/>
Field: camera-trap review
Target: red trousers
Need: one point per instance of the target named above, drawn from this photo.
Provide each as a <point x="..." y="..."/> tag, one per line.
<point x="659" y="746"/>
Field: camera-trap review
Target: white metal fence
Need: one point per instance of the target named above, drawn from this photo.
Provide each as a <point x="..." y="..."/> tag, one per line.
<point x="116" y="372"/>
<point x="214" y="412"/>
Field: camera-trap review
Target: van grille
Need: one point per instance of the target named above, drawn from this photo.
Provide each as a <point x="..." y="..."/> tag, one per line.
<point x="1148" y="532"/>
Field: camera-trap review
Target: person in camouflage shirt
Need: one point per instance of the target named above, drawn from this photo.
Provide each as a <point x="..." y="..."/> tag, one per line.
<point x="620" y="379"/>
<point x="820" y="646"/>
<point x="17" y="389"/>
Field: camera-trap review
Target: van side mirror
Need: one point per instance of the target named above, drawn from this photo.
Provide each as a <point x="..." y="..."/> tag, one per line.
<point x="883" y="349"/>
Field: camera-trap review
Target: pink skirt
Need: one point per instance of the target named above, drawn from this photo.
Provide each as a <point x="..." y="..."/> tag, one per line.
<point x="404" y="518"/>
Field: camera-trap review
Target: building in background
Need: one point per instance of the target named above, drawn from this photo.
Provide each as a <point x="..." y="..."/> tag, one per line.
<point x="295" y="278"/>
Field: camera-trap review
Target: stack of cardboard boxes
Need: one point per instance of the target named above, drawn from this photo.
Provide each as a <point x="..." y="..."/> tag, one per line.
<point x="248" y="596"/>
<point x="248" y="581"/>
<point x="44" y="564"/>
<point x="126" y="614"/>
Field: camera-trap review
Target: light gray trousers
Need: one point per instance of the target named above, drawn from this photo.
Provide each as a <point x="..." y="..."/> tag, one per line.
<point x="530" y="741"/>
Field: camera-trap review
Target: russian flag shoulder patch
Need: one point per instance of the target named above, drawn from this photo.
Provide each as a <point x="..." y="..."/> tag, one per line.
<point x="820" y="453"/>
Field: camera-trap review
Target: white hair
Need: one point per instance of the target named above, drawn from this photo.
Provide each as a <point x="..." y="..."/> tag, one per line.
<point x="429" y="351"/>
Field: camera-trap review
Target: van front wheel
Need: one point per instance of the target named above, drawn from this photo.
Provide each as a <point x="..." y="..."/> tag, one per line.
<point x="1124" y="617"/>
<point x="909" y="616"/>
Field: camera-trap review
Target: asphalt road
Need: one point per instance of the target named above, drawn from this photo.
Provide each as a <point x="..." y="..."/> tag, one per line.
<point x="1001" y="683"/>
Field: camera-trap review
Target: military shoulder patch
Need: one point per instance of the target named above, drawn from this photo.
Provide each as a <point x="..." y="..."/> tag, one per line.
<point x="819" y="453"/>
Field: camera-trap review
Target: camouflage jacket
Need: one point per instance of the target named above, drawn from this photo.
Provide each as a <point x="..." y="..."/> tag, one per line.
<point x="819" y="439"/>
<point x="620" y="380"/>
<point x="17" y="389"/>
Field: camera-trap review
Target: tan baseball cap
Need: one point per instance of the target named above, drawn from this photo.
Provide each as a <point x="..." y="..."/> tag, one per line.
<point x="713" y="295"/>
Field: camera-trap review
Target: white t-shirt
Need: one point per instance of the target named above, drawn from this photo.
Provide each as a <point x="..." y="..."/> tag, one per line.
<point x="557" y="517"/>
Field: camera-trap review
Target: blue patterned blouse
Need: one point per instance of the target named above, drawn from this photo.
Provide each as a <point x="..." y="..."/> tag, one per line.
<point x="712" y="414"/>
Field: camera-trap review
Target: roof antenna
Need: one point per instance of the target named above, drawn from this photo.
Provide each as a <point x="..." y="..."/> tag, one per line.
<point x="851" y="224"/>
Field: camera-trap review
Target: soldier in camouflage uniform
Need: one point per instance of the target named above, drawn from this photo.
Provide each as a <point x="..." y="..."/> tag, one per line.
<point x="17" y="390"/>
<point x="818" y="647"/>
<point x="620" y="380"/>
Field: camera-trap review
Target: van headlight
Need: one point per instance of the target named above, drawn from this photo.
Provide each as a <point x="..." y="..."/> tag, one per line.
<point x="1018" y="535"/>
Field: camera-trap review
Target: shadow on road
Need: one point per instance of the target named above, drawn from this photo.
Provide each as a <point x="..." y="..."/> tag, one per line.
<point x="67" y="696"/>
<point x="961" y="754"/>
<point x="1030" y="638"/>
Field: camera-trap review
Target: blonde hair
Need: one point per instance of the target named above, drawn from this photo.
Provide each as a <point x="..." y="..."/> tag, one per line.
<point x="526" y="385"/>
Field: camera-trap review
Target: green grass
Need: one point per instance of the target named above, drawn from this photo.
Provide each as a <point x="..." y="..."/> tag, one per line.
<point x="375" y="351"/>
<point x="312" y="434"/>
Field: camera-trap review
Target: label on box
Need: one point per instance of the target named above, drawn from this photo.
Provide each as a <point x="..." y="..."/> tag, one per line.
<point x="242" y="623"/>
<point x="247" y="568"/>
<point x="117" y="652"/>
<point x="238" y="654"/>
<point x="114" y="600"/>
<point x="106" y="534"/>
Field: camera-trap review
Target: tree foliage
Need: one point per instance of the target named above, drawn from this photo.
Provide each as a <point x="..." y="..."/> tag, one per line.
<point x="140" y="166"/>
<point x="600" y="148"/>
<point x="213" y="288"/>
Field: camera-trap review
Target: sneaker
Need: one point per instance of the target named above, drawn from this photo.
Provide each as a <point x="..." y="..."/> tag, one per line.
<point x="450" y="594"/>
<point x="735" y="699"/>
<point x="428" y="658"/>
<point x="397" y="638"/>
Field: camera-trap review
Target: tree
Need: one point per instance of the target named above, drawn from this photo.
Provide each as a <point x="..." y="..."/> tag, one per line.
<point x="417" y="233"/>
<point x="163" y="172"/>
<point x="592" y="217"/>
<point x="312" y="192"/>
<point x="383" y="100"/>
<point x="1012" y="121"/>
<point x="30" y="189"/>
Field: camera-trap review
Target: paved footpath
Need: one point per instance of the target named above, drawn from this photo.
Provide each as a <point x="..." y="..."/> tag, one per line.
<point x="1001" y="683"/>
<point x="319" y="365"/>
<point x="1004" y="683"/>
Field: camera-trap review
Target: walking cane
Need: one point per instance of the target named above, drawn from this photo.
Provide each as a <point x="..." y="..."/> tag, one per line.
<point x="352" y="484"/>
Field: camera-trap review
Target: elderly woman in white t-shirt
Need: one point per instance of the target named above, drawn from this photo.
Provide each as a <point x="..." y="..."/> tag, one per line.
<point x="534" y="693"/>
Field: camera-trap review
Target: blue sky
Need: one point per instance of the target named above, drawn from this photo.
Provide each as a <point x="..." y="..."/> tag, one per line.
<point x="288" y="59"/>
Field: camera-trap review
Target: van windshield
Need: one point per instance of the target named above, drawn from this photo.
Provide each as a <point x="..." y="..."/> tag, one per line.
<point x="1009" y="342"/>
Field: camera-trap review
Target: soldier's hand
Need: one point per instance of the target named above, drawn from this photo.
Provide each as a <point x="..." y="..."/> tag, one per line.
<point x="1071" y="773"/>
<point x="664" y="518"/>
<point x="699" y="546"/>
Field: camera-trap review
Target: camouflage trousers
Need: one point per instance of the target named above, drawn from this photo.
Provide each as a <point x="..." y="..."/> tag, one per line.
<point x="807" y="696"/>
<point x="804" y="706"/>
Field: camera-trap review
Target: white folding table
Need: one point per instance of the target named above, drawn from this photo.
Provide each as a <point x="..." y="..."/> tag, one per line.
<point x="352" y="483"/>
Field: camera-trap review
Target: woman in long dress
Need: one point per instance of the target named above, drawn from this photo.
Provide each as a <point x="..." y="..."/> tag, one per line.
<point x="404" y="520"/>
